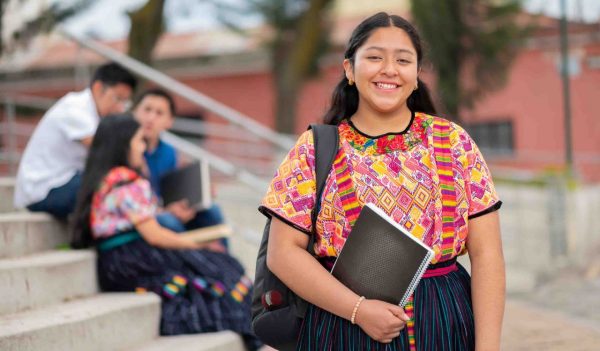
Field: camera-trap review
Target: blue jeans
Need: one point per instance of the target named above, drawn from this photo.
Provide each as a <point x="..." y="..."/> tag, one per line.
<point x="60" y="201"/>
<point x="206" y="218"/>
<point x="169" y="221"/>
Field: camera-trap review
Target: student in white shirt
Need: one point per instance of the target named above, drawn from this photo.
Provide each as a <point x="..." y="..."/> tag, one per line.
<point x="50" y="170"/>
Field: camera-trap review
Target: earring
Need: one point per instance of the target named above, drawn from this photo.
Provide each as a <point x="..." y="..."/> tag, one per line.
<point x="350" y="81"/>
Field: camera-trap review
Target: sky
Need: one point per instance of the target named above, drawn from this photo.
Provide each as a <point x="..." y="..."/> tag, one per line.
<point x="107" y="19"/>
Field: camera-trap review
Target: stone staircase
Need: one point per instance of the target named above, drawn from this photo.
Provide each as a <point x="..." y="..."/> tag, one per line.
<point x="49" y="297"/>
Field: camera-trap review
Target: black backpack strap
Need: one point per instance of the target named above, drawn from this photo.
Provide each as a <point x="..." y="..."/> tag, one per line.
<point x="326" y="141"/>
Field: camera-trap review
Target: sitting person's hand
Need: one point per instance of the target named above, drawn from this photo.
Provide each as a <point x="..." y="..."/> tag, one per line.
<point x="182" y="210"/>
<point x="215" y="246"/>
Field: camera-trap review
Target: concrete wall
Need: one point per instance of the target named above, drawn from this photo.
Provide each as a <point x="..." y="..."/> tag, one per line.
<point x="548" y="227"/>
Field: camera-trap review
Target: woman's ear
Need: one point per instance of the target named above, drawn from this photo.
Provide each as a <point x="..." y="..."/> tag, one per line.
<point x="348" y="69"/>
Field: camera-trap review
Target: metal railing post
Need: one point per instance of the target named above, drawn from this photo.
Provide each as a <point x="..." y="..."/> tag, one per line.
<point x="10" y="133"/>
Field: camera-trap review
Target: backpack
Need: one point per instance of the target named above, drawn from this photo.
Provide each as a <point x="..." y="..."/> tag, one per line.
<point x="277" y="312"/>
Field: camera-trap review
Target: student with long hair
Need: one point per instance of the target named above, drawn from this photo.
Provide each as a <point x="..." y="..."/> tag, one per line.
<point x="423" y="171"/>
<point x="203" y="288"/>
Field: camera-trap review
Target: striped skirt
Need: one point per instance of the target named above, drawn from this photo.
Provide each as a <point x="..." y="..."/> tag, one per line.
<point x="202" y="291"/>
<point x="441" y="320"/>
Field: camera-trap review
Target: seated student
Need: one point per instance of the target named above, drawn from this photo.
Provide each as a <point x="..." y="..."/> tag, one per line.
<point x="203" y="289"/>
<point x="155" y="110"/>
<point x="50" y="170"/>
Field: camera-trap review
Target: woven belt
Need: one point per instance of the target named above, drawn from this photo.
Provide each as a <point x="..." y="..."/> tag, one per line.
<point x="117" y="240"/>
<point x="441" y="268"/>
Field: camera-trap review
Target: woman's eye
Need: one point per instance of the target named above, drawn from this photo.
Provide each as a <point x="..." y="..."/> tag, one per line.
<point x="404" y="61"/>
<point x="374" y="58"/>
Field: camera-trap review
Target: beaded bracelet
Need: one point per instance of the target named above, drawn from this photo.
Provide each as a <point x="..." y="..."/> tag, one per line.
<point x="360" y="299"/>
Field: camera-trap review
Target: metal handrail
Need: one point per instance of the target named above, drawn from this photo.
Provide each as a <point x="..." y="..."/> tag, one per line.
<point x="38" y="102"/>
<point x="187" y="125"/>
<point x="203" y="101"/>
<point x="184" y="91"/>
<point x="13" y="129"/>
<point x="215" y="161"/>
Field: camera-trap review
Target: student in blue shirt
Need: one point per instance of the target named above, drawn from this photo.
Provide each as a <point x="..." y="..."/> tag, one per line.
<point x="155" y="110"/>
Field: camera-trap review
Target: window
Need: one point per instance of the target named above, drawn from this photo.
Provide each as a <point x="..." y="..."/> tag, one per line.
<point x="594" y="62"/>
<point x="493" y="138"/>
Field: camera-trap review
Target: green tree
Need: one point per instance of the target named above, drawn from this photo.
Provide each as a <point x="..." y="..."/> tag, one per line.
<point x="147" y="25"/>
<point x="471" y="44"/>
<point x="301" y="37"/>
<point x="300" y="28"/>
<point x="49" y="18"/>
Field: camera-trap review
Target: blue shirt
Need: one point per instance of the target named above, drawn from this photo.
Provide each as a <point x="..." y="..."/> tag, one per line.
<point x="161" y="160"/>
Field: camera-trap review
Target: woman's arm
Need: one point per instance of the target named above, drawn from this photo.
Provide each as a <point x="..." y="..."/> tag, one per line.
<point x="288" y="259"/>
<point x="488" y="280"/>
<point x="156" y="235"/>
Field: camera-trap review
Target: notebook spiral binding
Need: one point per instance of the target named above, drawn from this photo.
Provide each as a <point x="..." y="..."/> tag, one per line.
<point x="416" y="279"/>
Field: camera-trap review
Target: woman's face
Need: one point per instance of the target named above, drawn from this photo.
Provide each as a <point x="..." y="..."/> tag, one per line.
<point x="137" y="146"/>
<point x="385" y="71"/>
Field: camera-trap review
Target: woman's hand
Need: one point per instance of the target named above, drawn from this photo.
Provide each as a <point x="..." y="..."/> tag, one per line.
<point x="382" y="321"/>
<point x="156" y="235"/>
<point x="215" y="246"/>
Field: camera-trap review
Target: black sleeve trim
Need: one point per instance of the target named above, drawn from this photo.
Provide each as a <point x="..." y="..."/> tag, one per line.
<point x="270" y="213"/>
<point x="494" y="207"/>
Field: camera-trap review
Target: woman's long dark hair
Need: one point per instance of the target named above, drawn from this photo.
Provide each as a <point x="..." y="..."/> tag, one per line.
<point x="110" y="148"/>
<point x="344" y="100"/>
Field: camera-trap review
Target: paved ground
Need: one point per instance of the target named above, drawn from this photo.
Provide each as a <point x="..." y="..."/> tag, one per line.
<point x="563" y="313"/>
<point x="533" y="328"/>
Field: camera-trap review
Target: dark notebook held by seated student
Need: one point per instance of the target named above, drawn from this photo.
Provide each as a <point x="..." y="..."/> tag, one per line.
<point x="380" y="259"/>
<point x="190" y="182"/>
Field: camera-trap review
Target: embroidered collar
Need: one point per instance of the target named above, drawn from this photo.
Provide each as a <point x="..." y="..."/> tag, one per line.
<point x="415" y="133"/>
<point x="117" y="176"/>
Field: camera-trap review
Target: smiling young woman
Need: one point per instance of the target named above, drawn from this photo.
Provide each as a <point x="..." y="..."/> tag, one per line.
<point x="423" y="171"/>
<point x="385" y="72"/>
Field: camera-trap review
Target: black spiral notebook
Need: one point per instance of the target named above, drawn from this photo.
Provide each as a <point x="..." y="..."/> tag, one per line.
<point x="380" y="259"/>
<point x="190" y="182"/>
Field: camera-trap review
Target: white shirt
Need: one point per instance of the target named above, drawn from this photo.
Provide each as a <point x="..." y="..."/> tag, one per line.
<point x="54" y="152"/>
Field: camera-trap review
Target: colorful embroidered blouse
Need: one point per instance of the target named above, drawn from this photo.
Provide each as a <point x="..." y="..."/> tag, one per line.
<point x="123" y="200"/>
<point x="395" y="171"/>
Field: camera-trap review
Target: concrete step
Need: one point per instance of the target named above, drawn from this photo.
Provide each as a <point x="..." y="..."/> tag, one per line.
<point x="7" y="189"/>
<point x="240" y="207"/>
<point x="115" y="321"/>
<point x="46" y="278"/>
<point x="220" y="341"/>
<point x="23" y="233"/>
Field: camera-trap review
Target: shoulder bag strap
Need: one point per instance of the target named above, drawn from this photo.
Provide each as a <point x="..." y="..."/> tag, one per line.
<point x="326" y="141"/>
